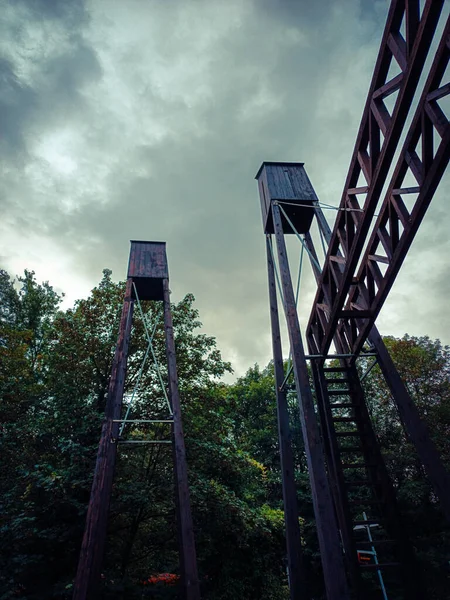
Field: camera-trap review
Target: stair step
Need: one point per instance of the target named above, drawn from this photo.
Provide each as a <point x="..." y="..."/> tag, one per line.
<point x="374" y="567"/>
<point x="375" y="542"/>
<point x="350" y="449"/>
<point x="346" y="433"/>
<point x="344" y="419"/>
<point x="336" y="380"/>
<point x="338" y="392"/>
<point x="366" y="522"/>
<point x="343" y="405"/>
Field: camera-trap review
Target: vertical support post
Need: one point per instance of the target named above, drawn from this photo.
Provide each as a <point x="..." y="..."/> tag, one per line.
<point x="188" y="559"/>
<point x="93" y="545"/>
<point x="327" y="528"/>
<point x="414" y="426"/>
<point x="297" y="576"/>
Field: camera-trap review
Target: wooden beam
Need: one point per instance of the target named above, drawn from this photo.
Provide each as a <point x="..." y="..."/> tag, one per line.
<point x="188" y="557"/>
<point x="93" y="546"/>
<point x="297" y="575"/>
<point x="389" y="88"/>
<point x="433" y="175"/>
<point x="416" y="59"/>
<point x="327" y="528"/>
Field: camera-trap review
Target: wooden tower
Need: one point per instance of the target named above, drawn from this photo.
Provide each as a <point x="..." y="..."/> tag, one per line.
<point x="362" y="257"/>
<point x="148" y="279"/>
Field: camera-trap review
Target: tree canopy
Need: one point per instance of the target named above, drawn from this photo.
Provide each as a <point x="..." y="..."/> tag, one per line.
<point x="54" y="373"/>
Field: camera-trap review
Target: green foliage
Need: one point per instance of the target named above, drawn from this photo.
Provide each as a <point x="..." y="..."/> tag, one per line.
<point x="424" y="365"/>
<point x="54" y="374"/>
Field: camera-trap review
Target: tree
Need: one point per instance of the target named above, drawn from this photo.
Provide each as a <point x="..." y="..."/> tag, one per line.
<point x="424" y="365"/>
<point x="66" y="358"/>
<point x="54" y="373"/>
<point x="26" y="316"/>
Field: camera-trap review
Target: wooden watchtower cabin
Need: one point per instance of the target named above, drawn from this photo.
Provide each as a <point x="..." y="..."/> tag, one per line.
<point x="288" y="184"/>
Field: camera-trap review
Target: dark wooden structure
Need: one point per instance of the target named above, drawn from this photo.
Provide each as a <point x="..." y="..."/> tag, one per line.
<point x="297" y="576"/>
<point x="346" y="467"/>
<point x="327" y="527"/>
<point x="148" y="279"/>
<point x="147" y="268"/>
<point x="289" y="183"/>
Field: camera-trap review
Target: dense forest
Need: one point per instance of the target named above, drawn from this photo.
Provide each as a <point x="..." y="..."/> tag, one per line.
<point x="54" y="372"/>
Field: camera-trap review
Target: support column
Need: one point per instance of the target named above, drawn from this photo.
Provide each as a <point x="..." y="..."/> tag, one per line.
<point x="188" y="559"/>
<point x="297" y="576"/>
<point x="93" y="545"/>
<point x="327" y="528"/>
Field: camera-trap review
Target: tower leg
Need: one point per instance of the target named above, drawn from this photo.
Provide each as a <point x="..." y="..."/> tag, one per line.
<point x="297" y="578"/>
<point x="327" y="528"/>
<point x="93" y="545"/>
<point x="188" y="558"/>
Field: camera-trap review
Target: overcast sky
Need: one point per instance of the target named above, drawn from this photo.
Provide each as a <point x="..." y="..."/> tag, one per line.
<point x="148" y="119"/>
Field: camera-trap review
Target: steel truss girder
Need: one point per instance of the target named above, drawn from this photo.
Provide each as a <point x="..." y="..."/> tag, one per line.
<point x="376" y="143"/>
<point x="397" y="225"/>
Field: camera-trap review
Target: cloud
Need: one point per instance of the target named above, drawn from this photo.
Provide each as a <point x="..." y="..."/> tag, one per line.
<point x="148" y="120"/>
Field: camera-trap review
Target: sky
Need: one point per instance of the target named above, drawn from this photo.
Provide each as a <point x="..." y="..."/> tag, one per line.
<point x="148" y="119"/>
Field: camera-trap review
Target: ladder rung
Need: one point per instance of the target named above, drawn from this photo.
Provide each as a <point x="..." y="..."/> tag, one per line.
<point x="379" y="566"/>
<point x="338" y="392"/>
<point x="367" y="522"/>
<point x="350" y="449"/>
<point x="336" y="369"/>
<point x="337" y="380"/>
<point x="343" y="405"/>
<point x="344" y="419"/>
<point x="346" y="433"/>
<point x="373" y="542"/>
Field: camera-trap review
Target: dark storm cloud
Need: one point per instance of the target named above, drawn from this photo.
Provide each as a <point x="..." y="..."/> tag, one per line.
<point x="45" y="35"/>
<point x="149" y="120"/>
<point x="65" y="75"/>
<point x="71" y="12"/>
<point x="17" y="101"/>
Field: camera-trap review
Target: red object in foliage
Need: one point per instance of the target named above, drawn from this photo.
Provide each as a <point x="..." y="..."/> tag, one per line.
<point x="363" y="558"/>
<point x="164" y="578"/>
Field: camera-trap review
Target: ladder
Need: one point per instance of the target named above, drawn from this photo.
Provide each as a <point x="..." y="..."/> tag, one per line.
<point x="360" y="484"/>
